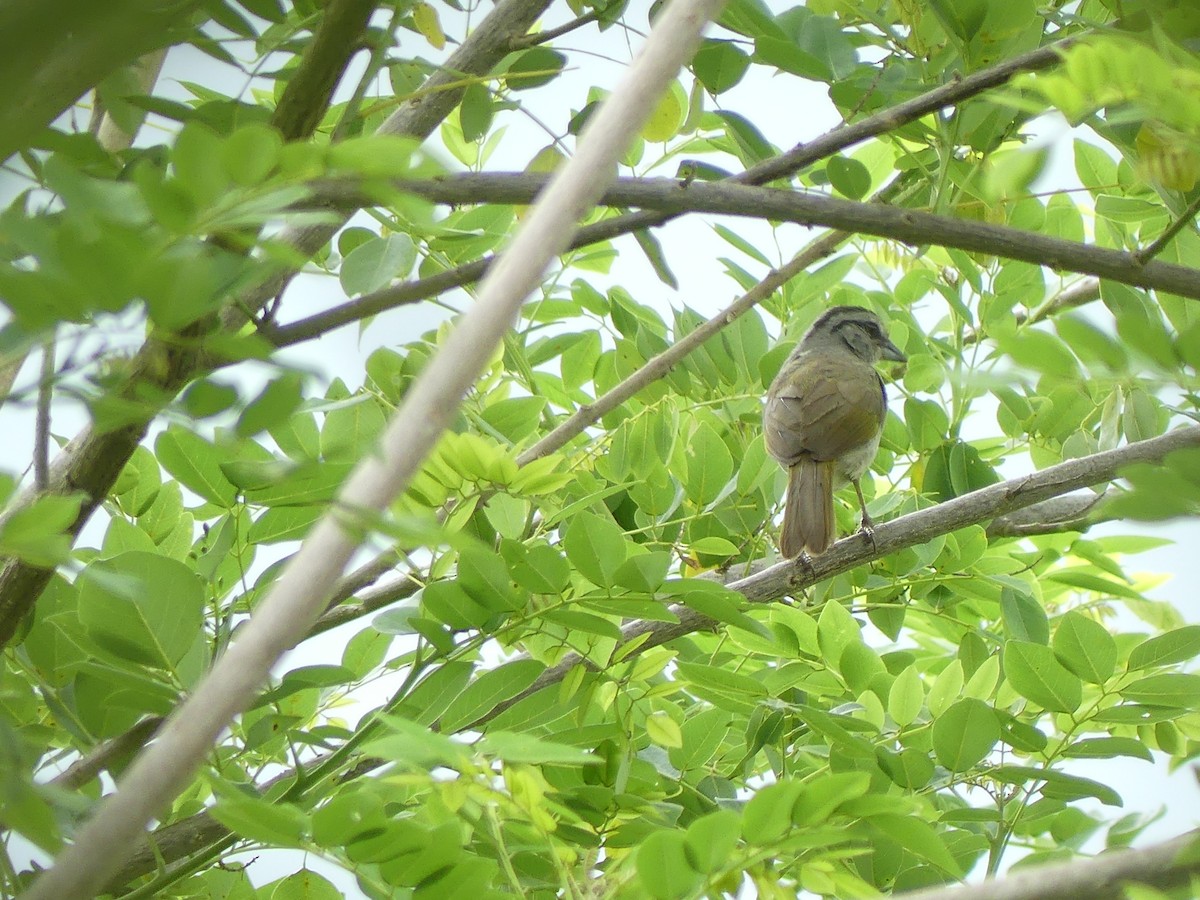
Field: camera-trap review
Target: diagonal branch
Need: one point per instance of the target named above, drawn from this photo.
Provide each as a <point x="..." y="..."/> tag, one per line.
<point x="919" y="527"/>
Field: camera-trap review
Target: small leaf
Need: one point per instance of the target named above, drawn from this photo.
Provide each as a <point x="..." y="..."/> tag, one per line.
<point x="964" y="734"/>
<point x="1179" y="645"/>
<point x="1085" y="647"/>
<point x="1035" y="673"/>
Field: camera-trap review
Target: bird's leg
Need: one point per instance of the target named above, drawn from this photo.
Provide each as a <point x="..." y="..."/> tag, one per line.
<point x="868" y="526"/>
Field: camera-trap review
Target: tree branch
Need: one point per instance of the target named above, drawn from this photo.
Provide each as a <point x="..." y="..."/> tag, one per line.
<point x="309" y="90"/>
<point x="908" y="226"/>
<point x="800" y="156"/>
<point x="1164" y="866"/>
<point x="790" y="577"/>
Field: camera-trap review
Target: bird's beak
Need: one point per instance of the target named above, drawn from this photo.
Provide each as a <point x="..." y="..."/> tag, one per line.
<point x="891" y="351"/>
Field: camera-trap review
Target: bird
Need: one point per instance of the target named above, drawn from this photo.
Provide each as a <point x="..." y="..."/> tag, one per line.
<point x="823" y="419"/>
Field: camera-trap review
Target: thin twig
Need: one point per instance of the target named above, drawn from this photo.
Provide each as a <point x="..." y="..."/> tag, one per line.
<point x="41" y="431"/>
<point x="1160" y="243"/>
<point x="533" y="39"/>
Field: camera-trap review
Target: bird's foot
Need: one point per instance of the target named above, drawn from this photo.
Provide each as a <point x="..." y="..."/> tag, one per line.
<point x="868" y="531"/>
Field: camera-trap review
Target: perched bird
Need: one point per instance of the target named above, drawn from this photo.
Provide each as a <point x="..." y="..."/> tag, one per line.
<point x="823" y="419"/>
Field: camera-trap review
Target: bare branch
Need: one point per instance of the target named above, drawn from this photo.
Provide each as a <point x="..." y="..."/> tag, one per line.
<point x="1164" y="866"/>
<point x="788" y="577"/>
<point x="544" y="37"/>
<point x="103" y="756"/>
<point x="789" y="163"/>
<point x="908" y="226"/>
<point x="1160" y="243"/>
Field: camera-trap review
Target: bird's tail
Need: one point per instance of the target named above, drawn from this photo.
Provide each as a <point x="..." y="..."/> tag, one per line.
<point x="808" y="522"/>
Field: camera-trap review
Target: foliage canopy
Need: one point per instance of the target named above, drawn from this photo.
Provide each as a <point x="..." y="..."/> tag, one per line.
<point x="584" y="679"/>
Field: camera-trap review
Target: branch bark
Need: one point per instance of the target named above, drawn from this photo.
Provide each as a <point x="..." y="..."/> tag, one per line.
<point x="908" y="226"/>
<point x="1169" y="864"/>
<point x="790" y="577"/>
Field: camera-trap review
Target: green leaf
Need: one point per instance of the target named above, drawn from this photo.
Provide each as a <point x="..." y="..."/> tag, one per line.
<point x="141" y="606"/>
<point x="964" y="734"/>
<point x="1035" y="673"/>
<point x="663" y="868"/>
<point x="1175" y="689"/>
<point x="377" y="263"/>
<point x="849" y="177"/>
<point x="1023" y="616"/>
<point x="720" y="65"/>
<point x="414" y="746"/>
<point x="703" y="734"/>
<point x="449" y="602"/>
<point x="1108" y="748"/>
<point x="274" y="405"/>
<point x="475" y="112"/>
<point x="256" y="819"/>
<point x="819" y="800"/>
<point x="709" y="465"/>
<point x="1058" y="785"/>
<point x="488" y="691"/>
<point x="39" y="532"/>
<point x="906" y="697"/>
<point x="534" y="68"/>
<point x="1085" y="647"/>
<point x="514" y="747"/>
<point x="920" y="839"/>
<point x="596" y="547"/>
<point x="712" y="839"/>
<point x="1179" y="645"/>
<point x="767" y="816"/>
<point x="196" y="464"/>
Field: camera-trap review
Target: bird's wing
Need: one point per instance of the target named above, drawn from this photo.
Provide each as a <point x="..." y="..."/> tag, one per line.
<point x="823" y="408"/>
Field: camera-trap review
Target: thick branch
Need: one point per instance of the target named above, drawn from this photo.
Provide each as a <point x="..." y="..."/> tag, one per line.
<point x="908" y="226"/>
<point x="1164" y="866"/>
<point x="308" y="91"/>
<point x="907" y="531"/>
